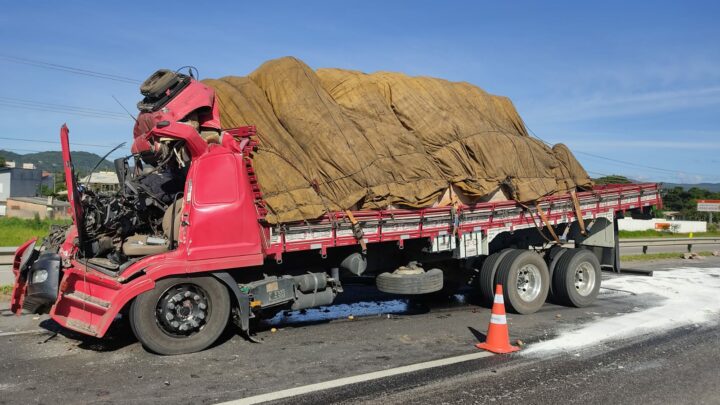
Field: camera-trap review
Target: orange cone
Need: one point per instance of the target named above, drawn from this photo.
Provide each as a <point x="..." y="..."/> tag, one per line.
<point x="498" y="336"/>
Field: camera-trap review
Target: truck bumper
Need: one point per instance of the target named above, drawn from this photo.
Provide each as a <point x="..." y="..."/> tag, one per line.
<point x="24" y="256"/>
<point x="43" y="279"/>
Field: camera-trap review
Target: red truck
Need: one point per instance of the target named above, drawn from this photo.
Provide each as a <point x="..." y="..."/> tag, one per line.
<point x="183" y="248"/>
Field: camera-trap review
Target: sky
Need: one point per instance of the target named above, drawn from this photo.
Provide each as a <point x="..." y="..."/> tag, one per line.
<point x="633" y="88"/>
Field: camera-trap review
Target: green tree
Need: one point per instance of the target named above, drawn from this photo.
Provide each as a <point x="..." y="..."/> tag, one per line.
<point x="612" y="179"/>
<point x="685" y="201"/>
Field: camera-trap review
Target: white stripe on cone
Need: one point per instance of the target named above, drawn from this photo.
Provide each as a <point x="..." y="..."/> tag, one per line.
<point x="499" y="299"/>
<point x="498" y="319"/>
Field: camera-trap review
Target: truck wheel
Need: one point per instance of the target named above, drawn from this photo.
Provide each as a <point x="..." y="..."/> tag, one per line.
<point x="410" y="284"/>
<point x="486" y="281"/>
<point x="552" y="257"/>
<point x="577" y="276"/>
<point x="525" y="280"/>
<point x="181" y="315"/>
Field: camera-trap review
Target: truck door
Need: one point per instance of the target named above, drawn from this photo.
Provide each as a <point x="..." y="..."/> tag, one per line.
<point x="221" y="217"/>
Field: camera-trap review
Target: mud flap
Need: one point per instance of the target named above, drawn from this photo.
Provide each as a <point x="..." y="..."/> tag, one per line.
<point x="243" y="301"/>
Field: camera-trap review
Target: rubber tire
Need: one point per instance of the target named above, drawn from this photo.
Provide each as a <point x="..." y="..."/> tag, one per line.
<point x="486" y="281"/>
<point x="552" y="258"/>
<point x="564" y="278"/>
<point x="152" y="337"/>
<point x="429" y="282"/>
<point x="508" y="270"/>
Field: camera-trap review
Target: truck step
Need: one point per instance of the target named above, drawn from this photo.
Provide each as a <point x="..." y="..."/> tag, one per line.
<point x="83" y="298"/>
<point x="81" y="327"/>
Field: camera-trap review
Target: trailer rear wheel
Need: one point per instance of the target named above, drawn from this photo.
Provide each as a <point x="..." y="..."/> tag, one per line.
<point x="577" y="276"/>
<point x="525" y="280"/>
<point x="181" y="315"/>
<point x="552" y="257"/>
<point x="486" y="281"/>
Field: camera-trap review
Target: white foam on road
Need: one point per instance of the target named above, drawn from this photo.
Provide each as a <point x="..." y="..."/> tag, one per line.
<point x="689" y="296"/>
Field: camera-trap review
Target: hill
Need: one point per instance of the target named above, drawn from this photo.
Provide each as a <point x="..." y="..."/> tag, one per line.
<point x="712" y="187"/>
<point x="52" y="160"/>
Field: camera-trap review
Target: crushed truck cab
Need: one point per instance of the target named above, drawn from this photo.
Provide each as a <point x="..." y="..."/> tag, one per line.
<point x="185" y="246"/>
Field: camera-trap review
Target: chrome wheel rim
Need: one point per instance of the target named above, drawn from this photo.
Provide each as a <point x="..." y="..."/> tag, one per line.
<point x="183" y="310"/>
<point x="529" y="282"/>
<point x="584" y="279"/>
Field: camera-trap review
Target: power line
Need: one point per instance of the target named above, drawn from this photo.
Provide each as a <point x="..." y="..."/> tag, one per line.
<point x="636" y="165"/>
<point x="669" y="171"/>
<point x="57" y="143"/>
<point x="26" y="150"/>
<point x="61" y="106"/>
<point x="69" y="69"/>
<point x="61" y="111"/>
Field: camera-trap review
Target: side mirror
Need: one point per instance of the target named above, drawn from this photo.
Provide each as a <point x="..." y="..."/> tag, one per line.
<point x="121" y="169"/>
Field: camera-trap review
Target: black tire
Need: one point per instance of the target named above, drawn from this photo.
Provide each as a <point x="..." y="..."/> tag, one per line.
<point x="552" y="258"/>
<point x="486" y="281"/>
<point x="566" y="289"/>
<point x="155" y="334"/>
<point x="410" y="284"/>
<point x="508" y="275"/>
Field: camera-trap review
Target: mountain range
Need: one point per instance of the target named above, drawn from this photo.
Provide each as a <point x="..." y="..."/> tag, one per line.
<point x="51" y="161"/>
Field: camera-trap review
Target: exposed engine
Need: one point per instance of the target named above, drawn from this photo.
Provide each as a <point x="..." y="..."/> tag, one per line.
<point x="137" y="219"/>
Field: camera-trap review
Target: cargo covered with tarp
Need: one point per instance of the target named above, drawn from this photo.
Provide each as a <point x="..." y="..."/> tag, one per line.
<point x="336" y="139"/>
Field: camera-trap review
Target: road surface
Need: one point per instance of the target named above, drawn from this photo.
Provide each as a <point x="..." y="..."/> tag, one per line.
<point x="653" y="339"/>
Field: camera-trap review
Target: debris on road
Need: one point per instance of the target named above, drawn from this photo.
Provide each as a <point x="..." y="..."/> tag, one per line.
<point x="689" y="296"/>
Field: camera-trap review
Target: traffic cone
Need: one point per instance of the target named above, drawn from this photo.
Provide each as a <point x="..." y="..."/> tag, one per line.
<point x="498" y="336"/>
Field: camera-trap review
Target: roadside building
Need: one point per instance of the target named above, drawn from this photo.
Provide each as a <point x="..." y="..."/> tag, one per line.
<point x="24" y="181"/>
<point x="42" y="207"/>
<point x="101" y="181"/>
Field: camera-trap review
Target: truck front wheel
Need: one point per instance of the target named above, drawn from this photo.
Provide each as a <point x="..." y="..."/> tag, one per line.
<point x="181" y="315"/>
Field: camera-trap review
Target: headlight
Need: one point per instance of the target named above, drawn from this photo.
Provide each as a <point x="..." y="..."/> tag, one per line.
<point x="39" y="276"/>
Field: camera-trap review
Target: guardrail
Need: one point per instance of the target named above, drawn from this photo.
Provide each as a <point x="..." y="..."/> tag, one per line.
<point x="655" y="242"/>
<point x="7" y="253"/>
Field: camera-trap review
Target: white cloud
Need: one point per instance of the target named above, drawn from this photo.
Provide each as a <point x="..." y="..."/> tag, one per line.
<point x="607" y="143"/>
<point x="628" y="104"/>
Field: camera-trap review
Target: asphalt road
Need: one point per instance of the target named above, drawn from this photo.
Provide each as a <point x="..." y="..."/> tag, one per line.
<point x="676" y="365"/>
<point x="680" y="367"/>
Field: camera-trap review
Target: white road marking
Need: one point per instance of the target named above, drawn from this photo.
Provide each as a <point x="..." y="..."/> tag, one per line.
<point x="25" y="332"/>
<point x="273" y="396"/>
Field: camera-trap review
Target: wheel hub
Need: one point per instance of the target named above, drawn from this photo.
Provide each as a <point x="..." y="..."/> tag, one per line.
<point x="183" y="310"/>
<point x="584" y="279"/>
<point x="529" y="282"/>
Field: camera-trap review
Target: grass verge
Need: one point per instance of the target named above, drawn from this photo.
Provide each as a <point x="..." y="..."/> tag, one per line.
<point x="15" y="231"/>
<point x="5" y="291"/>
<point x="657" y="256"/>
<point x="658" y="234"/>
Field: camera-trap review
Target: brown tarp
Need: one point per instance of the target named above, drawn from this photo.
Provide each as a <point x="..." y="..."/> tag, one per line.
<point x="340" y="139"/>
